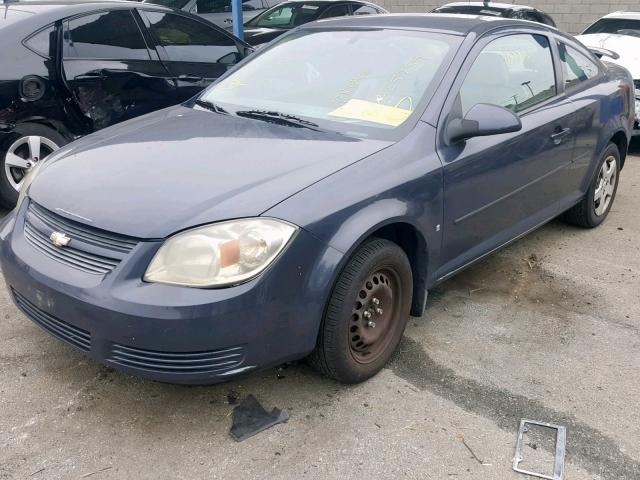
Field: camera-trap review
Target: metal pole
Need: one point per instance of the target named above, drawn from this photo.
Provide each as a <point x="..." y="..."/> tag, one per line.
<point x="236" y="16"/>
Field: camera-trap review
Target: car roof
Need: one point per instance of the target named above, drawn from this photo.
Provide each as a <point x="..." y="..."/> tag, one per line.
<point x="25" y="17"/>
<point x="492" y="5"/>
<point x="320" y="2"/>
<point x="64" y="8"/>
<point x="323" y="3"/>
<point x="455" y="24"/>
<point x="625" y="15"/>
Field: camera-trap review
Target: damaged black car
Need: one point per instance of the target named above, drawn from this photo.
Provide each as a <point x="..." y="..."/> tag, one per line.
<point x="69" y="69"/>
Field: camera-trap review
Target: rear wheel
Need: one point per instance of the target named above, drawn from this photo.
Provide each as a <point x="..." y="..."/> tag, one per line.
<point x="367" y="313"/>
<point x="29" y="144"/>
<point x="596" y="204"/>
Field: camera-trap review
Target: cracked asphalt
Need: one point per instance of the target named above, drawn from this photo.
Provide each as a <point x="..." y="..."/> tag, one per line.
<point x="546" y="329"/>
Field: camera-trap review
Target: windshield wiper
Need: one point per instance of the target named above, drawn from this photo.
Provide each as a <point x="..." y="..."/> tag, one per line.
<point x="279" y="118"/>
<point x="212" y="107"/>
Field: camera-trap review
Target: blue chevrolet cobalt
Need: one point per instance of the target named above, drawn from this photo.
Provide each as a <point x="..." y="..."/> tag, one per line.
<point x="304" y="204"/>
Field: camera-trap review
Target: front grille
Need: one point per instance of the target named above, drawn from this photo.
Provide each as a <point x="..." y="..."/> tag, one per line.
<point x="80" y="231"/>
<point x="69" y="256"/>
<point x="66" y="332"/>
<point x="214" y="361"/>
<point x="91" y="250"/>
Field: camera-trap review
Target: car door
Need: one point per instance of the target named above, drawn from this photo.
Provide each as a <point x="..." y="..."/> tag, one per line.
<point x="195" y="52"/>
<point x="110" y="71"/>
<point x="581" y="80"/>
<point x="497" y="187"/>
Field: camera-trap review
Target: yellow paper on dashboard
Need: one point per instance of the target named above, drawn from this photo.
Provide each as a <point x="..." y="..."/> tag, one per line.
<point x="371" y="112"/>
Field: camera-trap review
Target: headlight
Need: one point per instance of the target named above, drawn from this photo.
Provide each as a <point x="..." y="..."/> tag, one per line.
<point x="221" y="254"/>
<point x="26" y="183"/>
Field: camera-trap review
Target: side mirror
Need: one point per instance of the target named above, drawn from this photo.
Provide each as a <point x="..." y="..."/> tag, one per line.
<point x="481" y="120"/>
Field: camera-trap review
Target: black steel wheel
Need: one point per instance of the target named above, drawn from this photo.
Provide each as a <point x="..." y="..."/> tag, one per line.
<point x="366" y="314"/>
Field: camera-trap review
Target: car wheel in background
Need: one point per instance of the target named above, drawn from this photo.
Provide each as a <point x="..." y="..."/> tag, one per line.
<point x="596" y="204"/>
<point x="366" y="315"/>
<point x="29" y="144"/>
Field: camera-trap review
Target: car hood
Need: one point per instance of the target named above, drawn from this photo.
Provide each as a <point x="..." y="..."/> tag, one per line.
<point x="627" y="46"/>
<point x="177" y="168"/>
<point x="257" y="36"/>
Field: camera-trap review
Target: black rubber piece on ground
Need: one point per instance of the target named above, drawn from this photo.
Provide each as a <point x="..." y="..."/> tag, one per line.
<point x="250" y="418"/>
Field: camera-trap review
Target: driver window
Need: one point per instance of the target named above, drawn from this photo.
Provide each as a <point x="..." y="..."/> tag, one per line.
<point x="515" y="72"/>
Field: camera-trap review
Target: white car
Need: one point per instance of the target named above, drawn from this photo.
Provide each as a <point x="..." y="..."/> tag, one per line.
<point x="619" y="32"/>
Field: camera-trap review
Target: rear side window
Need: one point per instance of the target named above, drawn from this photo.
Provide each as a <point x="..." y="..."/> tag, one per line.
<point x="187" y="40"/>
<point x="336" y="11"/>
<point x="531" y="16"/>
<point x="514" y="72"/>
<point x="107" y="35"/>
<point x="41" y="42"/>
<point x="359" y="9"/>
<point x="576" y="67"/>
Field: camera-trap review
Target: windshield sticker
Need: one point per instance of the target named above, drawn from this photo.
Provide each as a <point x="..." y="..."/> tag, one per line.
<point x="356" y="109"/>
<point x="310" y="7"/>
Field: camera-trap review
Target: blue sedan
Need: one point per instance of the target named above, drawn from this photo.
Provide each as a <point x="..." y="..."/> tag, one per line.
<point x="305" y="203"/>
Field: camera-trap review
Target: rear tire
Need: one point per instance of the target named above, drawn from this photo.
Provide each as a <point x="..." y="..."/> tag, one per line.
<point x="596" y="204"/>
<point x="17" y="148"/>
<point x="367" y="313"/>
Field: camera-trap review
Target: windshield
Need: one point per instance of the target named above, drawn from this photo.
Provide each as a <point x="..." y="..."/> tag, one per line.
<point x="621" y="26"/>
<point x="287" y="15"/>
<point x="169" y="3"/>
<point x="360" y="82"/>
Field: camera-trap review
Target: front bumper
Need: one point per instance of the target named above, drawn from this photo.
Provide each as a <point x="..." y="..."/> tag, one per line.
<point x="168" y="333"/>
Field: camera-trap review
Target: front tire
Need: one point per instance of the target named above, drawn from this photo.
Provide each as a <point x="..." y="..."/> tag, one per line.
<point x="596" y="204"/>
<point x="366" y="314"/>
<point x="29" y="144"/>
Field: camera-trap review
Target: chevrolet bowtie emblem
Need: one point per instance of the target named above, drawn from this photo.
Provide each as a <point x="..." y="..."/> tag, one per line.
<point x="59" y="239"/>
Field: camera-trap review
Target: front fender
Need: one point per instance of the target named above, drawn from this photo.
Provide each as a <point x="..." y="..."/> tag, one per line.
<point x="399" y="185"/>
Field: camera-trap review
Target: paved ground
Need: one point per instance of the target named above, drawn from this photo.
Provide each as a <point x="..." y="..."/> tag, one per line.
<point x="547" y="329"/>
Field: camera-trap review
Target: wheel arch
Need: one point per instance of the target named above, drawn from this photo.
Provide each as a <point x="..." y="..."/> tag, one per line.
<point x="56" y="125"/>
<point x="404" y="233"/>
<point x="620" y="139"/>
<point x="414" y="245"/>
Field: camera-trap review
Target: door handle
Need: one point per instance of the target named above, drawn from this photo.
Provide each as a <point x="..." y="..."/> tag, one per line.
<point x="559" y="135"/>
<point x="190" y="78"/>
<point x="95" y="75"/>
